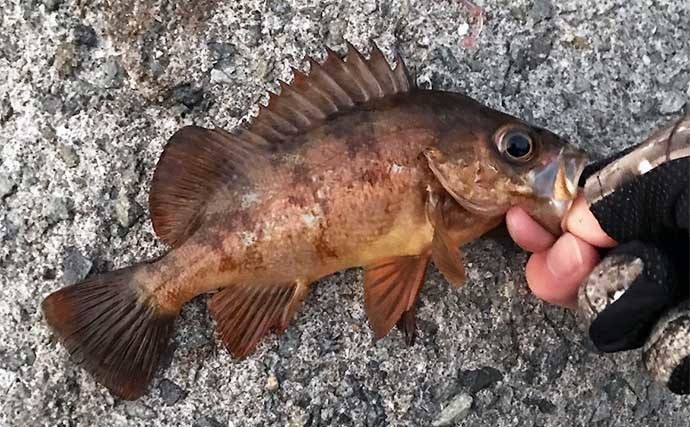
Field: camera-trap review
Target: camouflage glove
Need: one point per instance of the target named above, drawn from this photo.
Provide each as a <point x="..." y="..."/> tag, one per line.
<point x="637" y="297"/>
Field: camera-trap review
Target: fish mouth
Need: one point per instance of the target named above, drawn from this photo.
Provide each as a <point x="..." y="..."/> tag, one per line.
<point x="558" y="179"/>
<point x="557" y="183"/>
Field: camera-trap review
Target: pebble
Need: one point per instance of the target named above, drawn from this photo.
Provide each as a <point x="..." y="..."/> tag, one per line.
<point x="271" y="383"/>
<point x="220" y="76"/>
<point x="479" y="379"/>
<point x="6" y="110"/>
<point x="457" y="409"/>
<point x="57" y="210"/>
<point x="602" y="412"/>
<point x="75" y="267"/>
<point x="206" y="421"/>
<point x="52" y="5"/>
<point x="65" y="60"/>
<point x="127" y="211"/>
<point x="139" y="410"/>
<point x="188" y="95"/>
<point x="85" y="35"/>
<point x="171" y="393"/>
<point x="545" y="407"/>
<point x="68" y="155"/>
<point x="109" y="74"/>
<point x="14" y="360"/>
<point x="253" y="30"/>
<point x="672" y="103"/>
<point x="541" y="9"/>
<point x="6" y="186"/>
<point x="52" y="104"/>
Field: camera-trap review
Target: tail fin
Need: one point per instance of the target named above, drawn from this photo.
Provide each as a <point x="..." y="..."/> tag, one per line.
<point x="112" y="329"/>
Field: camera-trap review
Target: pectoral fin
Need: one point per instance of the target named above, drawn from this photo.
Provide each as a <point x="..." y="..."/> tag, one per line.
<point x="244" y="314"/>
<point x="445" y="246"/>
<point x="391" y="287"/>
<point x="454" y="226"/>
<point x="447" y="257"/>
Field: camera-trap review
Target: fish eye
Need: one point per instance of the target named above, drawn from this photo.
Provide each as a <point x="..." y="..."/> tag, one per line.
<point x="517" y="145"/>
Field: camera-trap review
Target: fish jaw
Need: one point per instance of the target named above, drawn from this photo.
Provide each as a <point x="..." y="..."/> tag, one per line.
<point x="555" y="186"/>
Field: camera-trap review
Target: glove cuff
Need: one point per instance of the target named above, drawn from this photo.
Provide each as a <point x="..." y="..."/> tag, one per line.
<point x="667" y="351"/>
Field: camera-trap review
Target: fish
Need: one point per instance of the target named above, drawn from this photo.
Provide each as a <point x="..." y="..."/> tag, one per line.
<point x="351" y="165"/>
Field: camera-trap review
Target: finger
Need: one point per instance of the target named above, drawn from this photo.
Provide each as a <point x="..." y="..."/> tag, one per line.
<point x="526" y="232"/>
<point x="555" y="274"/>
<point x="581" y="222"/>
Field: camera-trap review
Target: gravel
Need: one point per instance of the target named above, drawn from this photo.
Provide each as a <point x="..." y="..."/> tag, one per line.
<point x="90" y="93"/>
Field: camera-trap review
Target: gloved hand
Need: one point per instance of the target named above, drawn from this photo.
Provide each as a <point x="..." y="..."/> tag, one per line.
<point x="637" y="296"/>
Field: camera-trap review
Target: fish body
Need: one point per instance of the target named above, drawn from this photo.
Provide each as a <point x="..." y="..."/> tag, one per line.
<point x="352" y="191"/>
<point x="350" y="166"/>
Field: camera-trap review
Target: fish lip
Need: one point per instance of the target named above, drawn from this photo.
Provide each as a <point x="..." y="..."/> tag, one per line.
<point x="558" y="179"/>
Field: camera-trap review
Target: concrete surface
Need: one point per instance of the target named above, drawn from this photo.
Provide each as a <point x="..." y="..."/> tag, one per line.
<point x="89" y="92"/>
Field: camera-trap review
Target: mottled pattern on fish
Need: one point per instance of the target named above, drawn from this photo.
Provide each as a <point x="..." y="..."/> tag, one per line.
<point x="350" y="166"/>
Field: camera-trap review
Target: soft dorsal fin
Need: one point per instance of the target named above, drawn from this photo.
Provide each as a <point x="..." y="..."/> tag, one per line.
<point x="197" y="160"/>
<point x="193" y="166"/>
<point x="334" y="86"/>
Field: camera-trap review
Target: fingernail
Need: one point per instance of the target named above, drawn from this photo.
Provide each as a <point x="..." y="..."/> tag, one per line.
<point x="565" y="257"/>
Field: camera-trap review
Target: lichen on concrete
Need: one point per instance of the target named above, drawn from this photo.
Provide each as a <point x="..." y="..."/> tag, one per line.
<point x="89" y="94"/>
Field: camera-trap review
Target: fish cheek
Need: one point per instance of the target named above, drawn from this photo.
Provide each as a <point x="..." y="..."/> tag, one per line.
<point x="471" y="184"/>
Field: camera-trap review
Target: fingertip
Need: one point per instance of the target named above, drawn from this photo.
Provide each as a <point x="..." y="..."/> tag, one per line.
<point x="555" y="275"/>
<point x="526" y="232"/>
<point x="544" y="285"/>
<point x="582" y="223"/>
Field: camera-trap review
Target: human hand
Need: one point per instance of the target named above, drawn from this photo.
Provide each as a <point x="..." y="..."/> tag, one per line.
<point x="558" y="266"/>
<point x="633" y="294"/>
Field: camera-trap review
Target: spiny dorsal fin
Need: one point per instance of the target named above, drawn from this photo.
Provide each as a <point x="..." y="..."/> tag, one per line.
<point x="197" y="161"/>
<point x="334" y="86"/>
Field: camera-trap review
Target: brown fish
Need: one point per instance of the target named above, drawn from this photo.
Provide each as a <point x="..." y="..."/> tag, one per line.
<point x="350" y="166"/>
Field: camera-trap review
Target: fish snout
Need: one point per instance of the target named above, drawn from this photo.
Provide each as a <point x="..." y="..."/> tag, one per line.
<point x="556" y="185"/>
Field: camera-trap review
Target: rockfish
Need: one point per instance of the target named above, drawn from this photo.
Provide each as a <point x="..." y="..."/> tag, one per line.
<point x="351" y="165"/>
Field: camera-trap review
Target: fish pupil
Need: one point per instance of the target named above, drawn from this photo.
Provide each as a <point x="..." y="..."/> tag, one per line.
<point x="518" y="145"/>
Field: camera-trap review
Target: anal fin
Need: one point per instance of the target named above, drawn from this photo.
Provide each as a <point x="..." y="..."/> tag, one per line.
<point x="391" y="287"/>
<point x="244" y="313"/>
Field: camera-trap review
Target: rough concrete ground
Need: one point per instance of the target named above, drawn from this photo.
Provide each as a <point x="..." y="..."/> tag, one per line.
<point x="89" y="93"/>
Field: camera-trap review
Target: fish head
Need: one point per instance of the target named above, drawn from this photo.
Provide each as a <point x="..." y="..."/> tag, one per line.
<point x="489" y="161"/>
